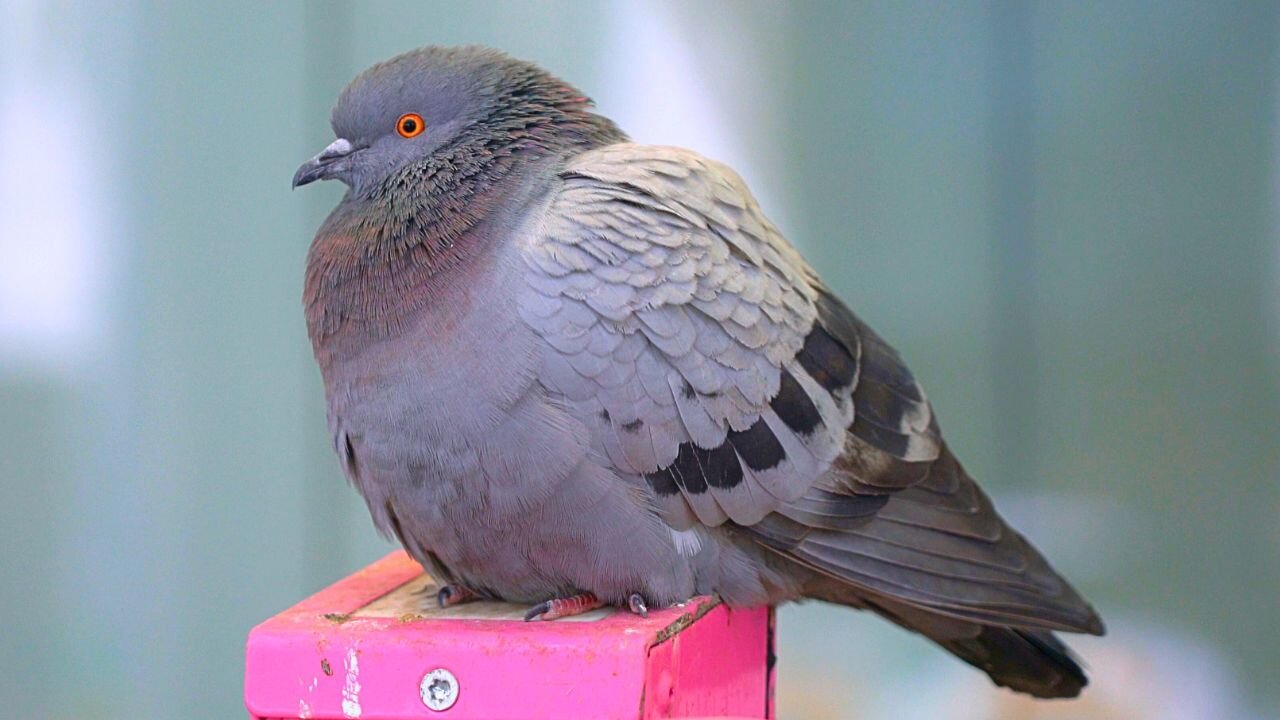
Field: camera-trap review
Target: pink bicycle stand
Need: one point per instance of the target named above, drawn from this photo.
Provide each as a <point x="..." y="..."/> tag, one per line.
<point x="374" y="646"/>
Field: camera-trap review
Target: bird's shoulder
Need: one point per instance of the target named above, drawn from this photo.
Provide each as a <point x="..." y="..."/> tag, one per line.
<point x="671" y="219"/>
<point x="677" y="187"/>
<point x="662" y="170"/>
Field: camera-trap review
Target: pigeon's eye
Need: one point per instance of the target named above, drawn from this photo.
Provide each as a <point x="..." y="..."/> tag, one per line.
<point x="410" y="125"/>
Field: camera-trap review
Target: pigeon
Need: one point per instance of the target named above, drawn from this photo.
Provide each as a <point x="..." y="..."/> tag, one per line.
<point x="568" y="370"/>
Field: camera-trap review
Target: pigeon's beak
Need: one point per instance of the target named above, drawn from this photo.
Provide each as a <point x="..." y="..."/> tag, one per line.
<point x="329" y="163"/>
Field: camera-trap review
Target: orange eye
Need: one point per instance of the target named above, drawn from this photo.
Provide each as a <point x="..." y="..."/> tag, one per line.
<point x="410" y="125"/>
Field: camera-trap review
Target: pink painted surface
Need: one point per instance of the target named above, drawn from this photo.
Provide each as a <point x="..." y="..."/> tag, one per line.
<point x="714" y="668"/>
<point x="698" y="660"/>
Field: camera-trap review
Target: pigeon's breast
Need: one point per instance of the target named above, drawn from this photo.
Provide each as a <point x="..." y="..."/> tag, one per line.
<point x="429" y="395"/>
<point x="461" y="455"/>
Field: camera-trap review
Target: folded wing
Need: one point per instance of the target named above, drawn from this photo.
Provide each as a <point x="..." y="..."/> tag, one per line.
<point x="714" y="369"/>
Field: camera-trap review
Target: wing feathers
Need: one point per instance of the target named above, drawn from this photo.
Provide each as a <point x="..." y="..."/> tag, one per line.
<point x="947" y="552"/>
<point x="794" y="406"/>
<point x="673" y="313"/>
<point x="827" y="361"/>
<point x="757" y="446"/>
<point x="709" y="363"/>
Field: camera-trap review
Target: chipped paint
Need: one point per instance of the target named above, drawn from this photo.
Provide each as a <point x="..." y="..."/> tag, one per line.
<point x="351" y="686"/>
<point x="304" y="708"/>
<point x="685" y="621"/>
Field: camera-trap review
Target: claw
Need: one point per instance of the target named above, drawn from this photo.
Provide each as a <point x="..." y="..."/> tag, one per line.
<point x="537" y="611"/>
<point x="451" y="595"/>
<point x="637" y="605"/>
<point x="563" y="607"/>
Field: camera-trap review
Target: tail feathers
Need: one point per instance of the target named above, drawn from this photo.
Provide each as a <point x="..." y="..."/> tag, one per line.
<point x="1030" y="661"/>
<point x="1035" y="662"/>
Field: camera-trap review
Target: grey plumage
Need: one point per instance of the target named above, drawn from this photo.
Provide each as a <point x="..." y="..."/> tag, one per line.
<point x="556" y="361"/>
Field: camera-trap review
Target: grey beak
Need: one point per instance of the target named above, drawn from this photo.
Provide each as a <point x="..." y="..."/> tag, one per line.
<point x="325" y="165"/>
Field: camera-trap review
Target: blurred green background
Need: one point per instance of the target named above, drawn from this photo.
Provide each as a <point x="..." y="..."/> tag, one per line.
<point x="1063" y="214"/>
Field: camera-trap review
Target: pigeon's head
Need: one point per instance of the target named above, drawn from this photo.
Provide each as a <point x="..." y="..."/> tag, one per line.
<point x="453" y="106"/>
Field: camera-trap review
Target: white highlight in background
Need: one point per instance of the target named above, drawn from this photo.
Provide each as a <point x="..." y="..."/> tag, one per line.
<point x="51" y="239"/>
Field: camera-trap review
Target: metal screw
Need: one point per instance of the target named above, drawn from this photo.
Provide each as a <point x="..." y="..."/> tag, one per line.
<point x="439" y="689"/>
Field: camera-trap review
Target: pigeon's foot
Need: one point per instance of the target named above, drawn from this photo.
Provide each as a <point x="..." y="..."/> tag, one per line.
<point x="564" y="607"/>
<point x="637" y="605"/>
<point x="451" y="595"/>
<point x="576" y="605"/>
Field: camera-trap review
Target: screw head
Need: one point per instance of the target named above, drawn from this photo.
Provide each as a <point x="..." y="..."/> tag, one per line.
<point x="439" y="690"/>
